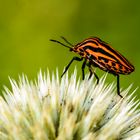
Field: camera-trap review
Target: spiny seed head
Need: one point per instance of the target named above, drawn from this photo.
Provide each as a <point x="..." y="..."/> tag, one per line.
<point x="65" y="109"/>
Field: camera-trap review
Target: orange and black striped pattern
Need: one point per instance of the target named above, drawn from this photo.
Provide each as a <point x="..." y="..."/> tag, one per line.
<point x="104" y="56"/>
<point x="98" y="53"/>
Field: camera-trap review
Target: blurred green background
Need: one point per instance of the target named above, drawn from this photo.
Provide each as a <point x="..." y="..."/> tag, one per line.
<point x="27" y="25"/>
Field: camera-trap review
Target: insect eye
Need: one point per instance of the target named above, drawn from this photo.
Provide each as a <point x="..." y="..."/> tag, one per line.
<point x="81" y="50"/>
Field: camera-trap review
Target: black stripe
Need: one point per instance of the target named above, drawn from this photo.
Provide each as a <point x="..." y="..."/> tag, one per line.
<point x="112" y="50"/>
<point x="104" y="59"/>
<point x="88" y="41"/>
<point x="99" y="50"/>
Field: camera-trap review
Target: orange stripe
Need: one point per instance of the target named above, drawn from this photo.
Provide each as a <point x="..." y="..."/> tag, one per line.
<point x="103" y="50"/>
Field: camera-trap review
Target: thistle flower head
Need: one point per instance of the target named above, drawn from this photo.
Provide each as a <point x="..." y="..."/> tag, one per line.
<point x="67" y="109"/>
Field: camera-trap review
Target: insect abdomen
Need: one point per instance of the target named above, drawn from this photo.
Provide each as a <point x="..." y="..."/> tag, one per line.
<point x="104" y="56"/>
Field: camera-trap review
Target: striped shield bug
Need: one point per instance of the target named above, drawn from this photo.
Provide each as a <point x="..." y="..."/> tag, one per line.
<point x="98" y="53"/>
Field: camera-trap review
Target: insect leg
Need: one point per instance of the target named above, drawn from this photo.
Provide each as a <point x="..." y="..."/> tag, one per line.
<point x="74" y="58"/>
<point x="83" y="68"/>
<point x="92" y="72"/>
<point x="118" y="86"/>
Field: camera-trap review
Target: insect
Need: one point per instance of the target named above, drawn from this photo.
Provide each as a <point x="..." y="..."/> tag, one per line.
<point x="98" y="53"/>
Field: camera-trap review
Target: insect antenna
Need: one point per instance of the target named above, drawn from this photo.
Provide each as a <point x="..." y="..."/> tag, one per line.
<point x="60" y="43"/>
<point x="66" y="41"/>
